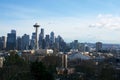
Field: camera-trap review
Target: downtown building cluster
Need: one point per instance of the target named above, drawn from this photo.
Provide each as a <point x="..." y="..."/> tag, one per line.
<point x="48" y="41"/>
<point x="45" y="41"/>
<point x="86" y="47"/>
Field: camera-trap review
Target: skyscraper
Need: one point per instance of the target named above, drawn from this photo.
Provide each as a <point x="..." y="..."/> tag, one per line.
<point x="42" y="32"/>
<point x="98" y="46"/>
<point x="47" y="40"/>
<point x="4" y="42"/>
<point x="25" y="42"/>
<point x="52" y="39"/>
<point x="41" y="37"/>
<point x="57" y="43"/>
<point x="33" y="35"/>
<point x="32" y="41"/>
<point x="11" y="40"/>
<point x="60" y="44"/>
<point x="19" y="43"/>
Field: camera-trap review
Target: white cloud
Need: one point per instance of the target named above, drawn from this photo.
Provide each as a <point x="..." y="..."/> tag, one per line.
<point x="107" y="21"/>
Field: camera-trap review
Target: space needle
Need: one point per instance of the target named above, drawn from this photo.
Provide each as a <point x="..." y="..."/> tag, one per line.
<point x="36" y="38"/>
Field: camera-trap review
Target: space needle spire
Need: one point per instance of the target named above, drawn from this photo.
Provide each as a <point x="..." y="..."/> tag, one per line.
<point x="36" y="26"/>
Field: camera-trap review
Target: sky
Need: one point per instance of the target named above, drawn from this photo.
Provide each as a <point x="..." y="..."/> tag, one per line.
<point x="82" y="20"/>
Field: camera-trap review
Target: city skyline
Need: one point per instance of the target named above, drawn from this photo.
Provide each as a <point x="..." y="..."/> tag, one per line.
<point x="84" y="20"/>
